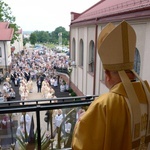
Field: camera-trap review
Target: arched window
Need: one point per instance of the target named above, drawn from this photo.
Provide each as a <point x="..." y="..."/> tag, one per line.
<point x="91" y="56"/>
<point x="81" y="53"/>
<point x="73" y="56"/>
<point x="137" y="61"/>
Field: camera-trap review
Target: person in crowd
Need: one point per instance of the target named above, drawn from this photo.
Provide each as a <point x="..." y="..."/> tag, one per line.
<point x="12" y="77"/>
<point x="68" y="127"/>
<point x="67" y="87"/>
<point x="80" y="113"/>
<point x="20" y="133"/>
<point x="27" y="122"/>
<point x="114" y="121"/>
<point x="20" y="78"/>
<point x="39" y="85"/>
<point x="30" y="85"/>
<point x="5" y="88"/>
<point x="8" y="79"/>
<point x="58" y="119"/>
<point x="20" y="130"/>
<point x="52" y="81"/>
<point x="21" y="88"/>
<point x="44" y="89"/>
<point x="55" y="82"/>
<point x="6" y="121"/>
<point x="17" y="81"/>
<point x="26" y="93"/>
<point x="12" y="93"/>
<point x="60" y="80"/>
<point x="62" y="87"/>
<point x="51" y="90"/>
<point x="1" y="77"/>
<point x="6" y="91"/>
<point x="27" y="74"/>
<point x="2" y="99"/>
<point x="48" y="95"/>
<point x="7" y="96"/>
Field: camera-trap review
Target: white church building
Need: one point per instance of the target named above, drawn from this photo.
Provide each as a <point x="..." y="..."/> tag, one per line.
<point x="87" y="77"/>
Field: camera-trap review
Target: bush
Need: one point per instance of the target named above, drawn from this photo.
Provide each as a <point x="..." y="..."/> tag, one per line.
<point x="73" y="94"/>
<point x="70" y="90"/>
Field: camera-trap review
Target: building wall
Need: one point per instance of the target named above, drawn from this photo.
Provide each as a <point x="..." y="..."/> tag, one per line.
<point x="80" y="75"/>
<point x="18" y="44"/>
<point x="80" y="82"/>
<point x="83" y="80"/>
<point x="90" y="75"/>
<point x="5" y="60"/>
<point x="8" y="53"/>
<point x="74" y="74"/>
<point x="143" y="35"/>
<point x="140" y="29"/>
<point x="89" y="84"/>
<point x="145" y="71"/>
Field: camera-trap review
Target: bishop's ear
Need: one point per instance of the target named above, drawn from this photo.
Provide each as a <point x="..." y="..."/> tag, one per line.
<point x="107" y="75"/>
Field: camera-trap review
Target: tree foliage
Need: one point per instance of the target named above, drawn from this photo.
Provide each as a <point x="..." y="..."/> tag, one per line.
<point x="6" y="16"/>
<point x="54" y="35"/>
<point x="42" y="36"/>
<point x="47" y="37"/>
<point x="25" y="40"/>
<point x="33" y="38"/>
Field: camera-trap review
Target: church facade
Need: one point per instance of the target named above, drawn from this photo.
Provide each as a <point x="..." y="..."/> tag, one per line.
<point x="87" y="77"/>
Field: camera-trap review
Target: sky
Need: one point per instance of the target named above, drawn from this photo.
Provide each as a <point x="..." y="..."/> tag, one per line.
<point x="46" y="15"/>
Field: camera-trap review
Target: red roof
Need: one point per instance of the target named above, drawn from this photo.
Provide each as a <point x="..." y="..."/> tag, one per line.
<point x="112" y="7"/>
<point x="6" y="33"/>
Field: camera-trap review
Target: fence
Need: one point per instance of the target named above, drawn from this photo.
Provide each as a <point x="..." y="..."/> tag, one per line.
<point x="43" y="133"/>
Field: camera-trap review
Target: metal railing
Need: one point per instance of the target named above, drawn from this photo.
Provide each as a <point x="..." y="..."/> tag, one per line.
<point x="62" y="70"/>
<point x="69" y="107"/>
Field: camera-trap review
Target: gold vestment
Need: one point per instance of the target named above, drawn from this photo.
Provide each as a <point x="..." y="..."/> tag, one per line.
<point x="106" y="125"/>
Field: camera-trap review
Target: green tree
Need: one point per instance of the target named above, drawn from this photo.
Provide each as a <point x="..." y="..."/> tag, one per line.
<point x="33" y="38"/>
<point x="25" y="40"/>
<point x="46" y="37"/>
<point x="41" y="36"/>
<point x="6" y="16"/>
<point x="54" y="35"/>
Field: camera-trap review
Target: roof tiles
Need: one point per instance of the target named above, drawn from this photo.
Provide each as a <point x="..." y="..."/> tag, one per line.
<point x="110" y="7"/>
<point x="6" y="33"/>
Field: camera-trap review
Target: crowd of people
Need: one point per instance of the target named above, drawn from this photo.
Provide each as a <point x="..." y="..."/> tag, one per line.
<point x="122" y="113"/>
<point x="7" y="92"/>
<point x="31" y="68"/>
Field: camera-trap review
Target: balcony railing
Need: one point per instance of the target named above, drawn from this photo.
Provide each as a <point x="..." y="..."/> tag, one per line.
<point x="44" y="133"/>
<point x="62" y="70"/>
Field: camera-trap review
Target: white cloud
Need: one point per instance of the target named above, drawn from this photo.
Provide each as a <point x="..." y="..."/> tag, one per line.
<point x="46" y="15"/>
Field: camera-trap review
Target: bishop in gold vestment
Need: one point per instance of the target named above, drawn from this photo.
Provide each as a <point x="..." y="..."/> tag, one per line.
<point x="107" y="124"/>
<point x="119" y="119"/>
